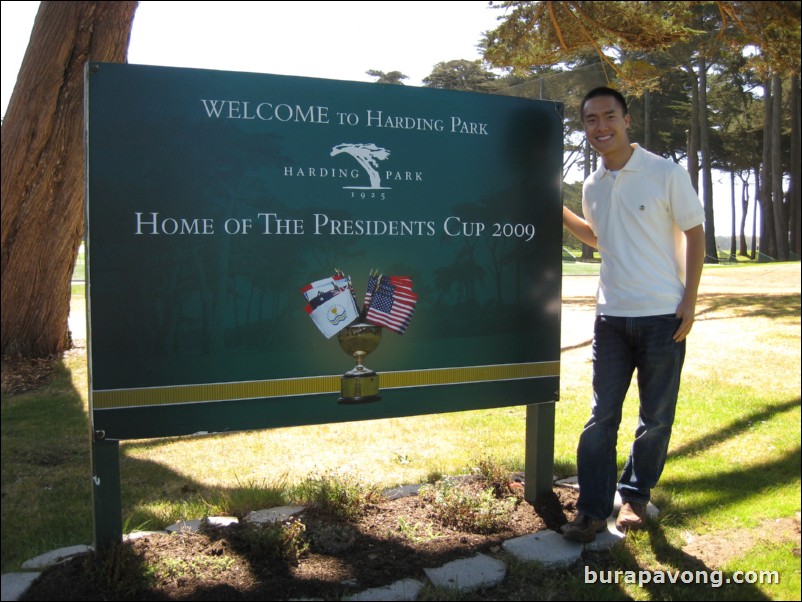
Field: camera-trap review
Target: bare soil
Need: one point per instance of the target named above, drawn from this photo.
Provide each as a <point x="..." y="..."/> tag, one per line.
<point x="25" y="374"/>
<point x="393" y="540"/>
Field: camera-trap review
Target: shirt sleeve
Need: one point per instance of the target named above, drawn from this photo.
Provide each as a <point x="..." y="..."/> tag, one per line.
<point x="685" y="205"/>
<point x="587" y="213"/>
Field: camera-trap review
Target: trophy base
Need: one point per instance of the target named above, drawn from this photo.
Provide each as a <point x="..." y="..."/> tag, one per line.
<point x="359" y="388"/>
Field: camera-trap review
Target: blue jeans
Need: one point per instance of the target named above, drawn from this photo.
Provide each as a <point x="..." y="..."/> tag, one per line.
<point x="620" y="346"/>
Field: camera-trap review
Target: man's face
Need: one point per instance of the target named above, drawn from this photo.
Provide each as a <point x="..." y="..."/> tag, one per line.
<point x="606" y="125"/>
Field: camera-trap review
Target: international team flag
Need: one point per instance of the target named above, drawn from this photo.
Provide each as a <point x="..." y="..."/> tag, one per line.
<point x="331" y="305"/>
<point x="335" y="284"/>
<point x="334" y="314"/>
<point x="350" y="284"/>
<point x="393" y="303"/>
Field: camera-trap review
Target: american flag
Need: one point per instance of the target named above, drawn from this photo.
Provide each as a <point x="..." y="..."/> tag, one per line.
<point x="393" y="303"/>
<point x="373" y="282"/>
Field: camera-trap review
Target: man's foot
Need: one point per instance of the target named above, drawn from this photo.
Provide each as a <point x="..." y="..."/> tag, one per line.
<point x="631" y="517"/>
<point x="583" y="528"/>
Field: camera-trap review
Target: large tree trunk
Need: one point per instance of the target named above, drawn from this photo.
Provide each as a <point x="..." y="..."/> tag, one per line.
<point x="733" y="236"/>
<point x="647" y="120"/>
<point x="796" y="167"/>
<point x="744" y="212"/>
<point x="753" y="252"/>
<point x="780" y="221"/>
<point x="587" y="250"/>
<point x="711" y="249"/>
<point x="767" y="248"/>
<point x="693" y="133"/>
<point x="43" y="168"/>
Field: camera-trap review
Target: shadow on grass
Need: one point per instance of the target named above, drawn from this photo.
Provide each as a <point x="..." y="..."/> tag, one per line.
<point x="45" y="470"/>
<point x="745" y="306"/>
<point x="732" y="486"/>
<point x="680" y="577"/>
<point x="715" y="307"/>
<point x="734" y="429"/>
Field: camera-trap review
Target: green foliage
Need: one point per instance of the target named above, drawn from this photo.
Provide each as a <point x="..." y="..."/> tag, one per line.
<point x="461" y="75"/>
<point x="160" y="513"/>
<point x="252" y="495"/>
<point x="392" y="77"/>
<point x="120" y="572"/>
<point x="343" y="496"/>
<point x="494" y="474"/>
<point x="331" y="538"/>
<point x="549" y="33"/>
<point x="564" y="468"/>
<point x="280" y="542"/>
<point x="773" y="27"/>
<point x="434" y="475"/>
<point x="417" y="531"/>
<point x="474" y="509"/>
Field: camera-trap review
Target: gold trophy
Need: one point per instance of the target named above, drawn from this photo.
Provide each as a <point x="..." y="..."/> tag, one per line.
<point x="360" y="385"/>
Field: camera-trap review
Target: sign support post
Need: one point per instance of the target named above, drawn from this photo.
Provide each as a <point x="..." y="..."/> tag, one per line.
<point x="539" y="454"/>
<point x="106" y="493"/>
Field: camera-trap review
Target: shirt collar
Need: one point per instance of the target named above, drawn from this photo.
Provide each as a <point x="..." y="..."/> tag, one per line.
<point x="635" y="162"/>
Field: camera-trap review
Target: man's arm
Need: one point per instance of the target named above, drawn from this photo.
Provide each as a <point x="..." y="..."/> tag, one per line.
<point x="579" y="228"/>
<point x="694" y="260"/>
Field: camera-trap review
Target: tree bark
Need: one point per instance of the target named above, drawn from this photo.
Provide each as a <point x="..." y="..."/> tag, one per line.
<point x="43" y="168"/>
<point x="753" y="252"/>
<point x="780" y="221"/>
<point x="647" y="120"/>
<point x="587" y="250"/>
<point x="693" y="134"/>
<point x="744" y="212"/>
<point x="733" y="236"/>
<point x="711" y="249"/>
<point x="796" y="169"/>
<point x="767" y="248"/>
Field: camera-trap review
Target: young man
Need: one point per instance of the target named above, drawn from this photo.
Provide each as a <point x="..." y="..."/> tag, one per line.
<point x="645" y="218"/>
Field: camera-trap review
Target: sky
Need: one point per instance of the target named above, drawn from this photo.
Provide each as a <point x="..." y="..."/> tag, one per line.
<point x="333" y="40"/>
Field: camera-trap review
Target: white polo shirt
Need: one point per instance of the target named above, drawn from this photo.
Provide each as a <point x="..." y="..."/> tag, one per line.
<point x="639" y="217"/>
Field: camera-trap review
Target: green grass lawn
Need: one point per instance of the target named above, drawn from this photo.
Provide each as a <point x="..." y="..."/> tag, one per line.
<point x="733" y="473"/>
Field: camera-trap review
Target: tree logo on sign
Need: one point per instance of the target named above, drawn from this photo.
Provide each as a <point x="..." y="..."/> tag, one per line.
<point x="368" y="157"/>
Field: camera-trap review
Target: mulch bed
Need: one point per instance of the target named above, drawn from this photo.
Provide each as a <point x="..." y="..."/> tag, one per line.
<point x="393" y="540"/>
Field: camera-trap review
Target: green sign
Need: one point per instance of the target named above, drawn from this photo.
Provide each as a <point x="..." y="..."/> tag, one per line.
<point x="216" y="200"/>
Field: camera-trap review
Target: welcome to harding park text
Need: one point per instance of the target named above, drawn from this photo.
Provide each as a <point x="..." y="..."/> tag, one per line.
<point x="322" y="115"/>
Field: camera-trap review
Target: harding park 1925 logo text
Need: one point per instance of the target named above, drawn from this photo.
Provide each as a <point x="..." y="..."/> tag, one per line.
<point x="369" y="177"/>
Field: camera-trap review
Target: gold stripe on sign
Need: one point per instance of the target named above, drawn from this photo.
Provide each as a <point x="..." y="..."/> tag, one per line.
<point x="315" y="385"/>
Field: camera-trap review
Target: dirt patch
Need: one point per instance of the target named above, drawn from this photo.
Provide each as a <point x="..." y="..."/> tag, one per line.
<point x="715" y="550"/>
<point x="25" y="374"/>
<point x="393" y="540"/>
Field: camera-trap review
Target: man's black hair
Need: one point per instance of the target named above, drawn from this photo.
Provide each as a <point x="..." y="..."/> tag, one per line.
<point x="603" y="91"/>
